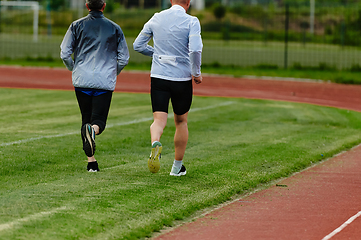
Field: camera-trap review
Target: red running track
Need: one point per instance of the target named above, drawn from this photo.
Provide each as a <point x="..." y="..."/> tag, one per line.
<point x="309" y="205"/>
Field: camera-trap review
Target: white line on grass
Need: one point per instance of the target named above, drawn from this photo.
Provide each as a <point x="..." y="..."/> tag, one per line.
<point x="35" y="216"/>
<point x="36" y="138"/>
<point x="108" y="126"/>
<point x="171" y="116"/>
<point x="339" y="229"/>
<point x="210" y="107"/>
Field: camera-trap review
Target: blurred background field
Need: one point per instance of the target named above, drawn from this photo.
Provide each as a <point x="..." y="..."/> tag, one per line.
<point x="240" y="34"/>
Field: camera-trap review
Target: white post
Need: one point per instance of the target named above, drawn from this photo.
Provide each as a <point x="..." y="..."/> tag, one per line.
<point x="312" y="16"/>
<point x="198" y="4"/>
<point x="36" y="22"/>
<point x="80" y="8"/>
<point x="34" y="6"/>
<point x="5" y="7"/>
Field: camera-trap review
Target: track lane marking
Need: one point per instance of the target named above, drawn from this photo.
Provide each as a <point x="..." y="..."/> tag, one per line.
<point x="340" y="228"/>
<point x="35" y="216"/>
<point x="108" y="126"/>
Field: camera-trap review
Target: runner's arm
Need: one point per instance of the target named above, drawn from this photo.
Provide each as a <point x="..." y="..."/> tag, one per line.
<point x="123" y="54"/>
<point x="67" y="49"/>
<point x="195" y="50"/>
<point x="141" y="42"/>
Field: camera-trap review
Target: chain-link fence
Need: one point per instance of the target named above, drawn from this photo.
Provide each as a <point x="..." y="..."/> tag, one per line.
<point x="239" y="33"/>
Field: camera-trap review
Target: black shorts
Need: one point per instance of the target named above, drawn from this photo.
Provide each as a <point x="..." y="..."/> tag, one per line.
<point x="180" y="93"/>
<point x="94" y="109"/>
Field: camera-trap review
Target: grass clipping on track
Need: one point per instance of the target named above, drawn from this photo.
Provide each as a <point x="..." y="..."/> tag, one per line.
<point x="235" y="145"/>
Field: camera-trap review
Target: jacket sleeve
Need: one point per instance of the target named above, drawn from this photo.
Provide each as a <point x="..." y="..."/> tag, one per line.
<point x="67" y="48"/>
<point x="141" y="42"/>
<point x="123" y="54"/>
<point x="195" y="47"/>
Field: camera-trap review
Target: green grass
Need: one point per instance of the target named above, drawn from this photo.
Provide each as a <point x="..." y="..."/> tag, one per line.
<point x="238" y="53"/>
<point x="235" y="146"/>
<point x="237" y="58"/>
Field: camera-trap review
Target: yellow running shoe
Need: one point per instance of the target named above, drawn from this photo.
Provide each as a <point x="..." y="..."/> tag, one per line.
<point x="153" y="161"/>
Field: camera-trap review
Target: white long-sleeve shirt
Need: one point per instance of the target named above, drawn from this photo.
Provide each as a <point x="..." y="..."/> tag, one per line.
<point x="177" y="44"/>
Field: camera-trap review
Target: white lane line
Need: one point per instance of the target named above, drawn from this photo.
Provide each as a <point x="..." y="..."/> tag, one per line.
<point x="36" y="138"/>
<point x="210" y="107"/>
<point x="35" y="216"/>
<point x="171" y="116"/>
<point x="339" y="229"/>
<point x="108" y="126"/>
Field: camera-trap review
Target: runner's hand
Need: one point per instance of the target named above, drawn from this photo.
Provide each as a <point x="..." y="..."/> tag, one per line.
<point x="198" y="79"/>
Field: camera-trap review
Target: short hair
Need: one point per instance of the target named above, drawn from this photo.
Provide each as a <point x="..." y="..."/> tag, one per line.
<point x="95" y="4"/>
<point x="180" y="1"/>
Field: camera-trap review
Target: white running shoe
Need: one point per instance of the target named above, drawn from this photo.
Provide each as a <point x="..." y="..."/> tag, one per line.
<point x="178" y="172"/>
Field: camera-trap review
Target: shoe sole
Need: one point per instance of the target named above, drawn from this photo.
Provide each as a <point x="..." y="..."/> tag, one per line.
<point x="89" y="143"/>
<point x="153" y="161"/>
<point x="179" y="174"/>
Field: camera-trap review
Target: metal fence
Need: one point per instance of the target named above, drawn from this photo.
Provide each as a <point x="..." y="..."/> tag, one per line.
<point x="269" y="33"/>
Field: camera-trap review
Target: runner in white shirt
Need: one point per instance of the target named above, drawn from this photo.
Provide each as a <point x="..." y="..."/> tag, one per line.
<point x="176" y="61"/>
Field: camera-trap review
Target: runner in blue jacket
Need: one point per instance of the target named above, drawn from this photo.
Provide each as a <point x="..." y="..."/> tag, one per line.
<point x="100" y="53"/>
